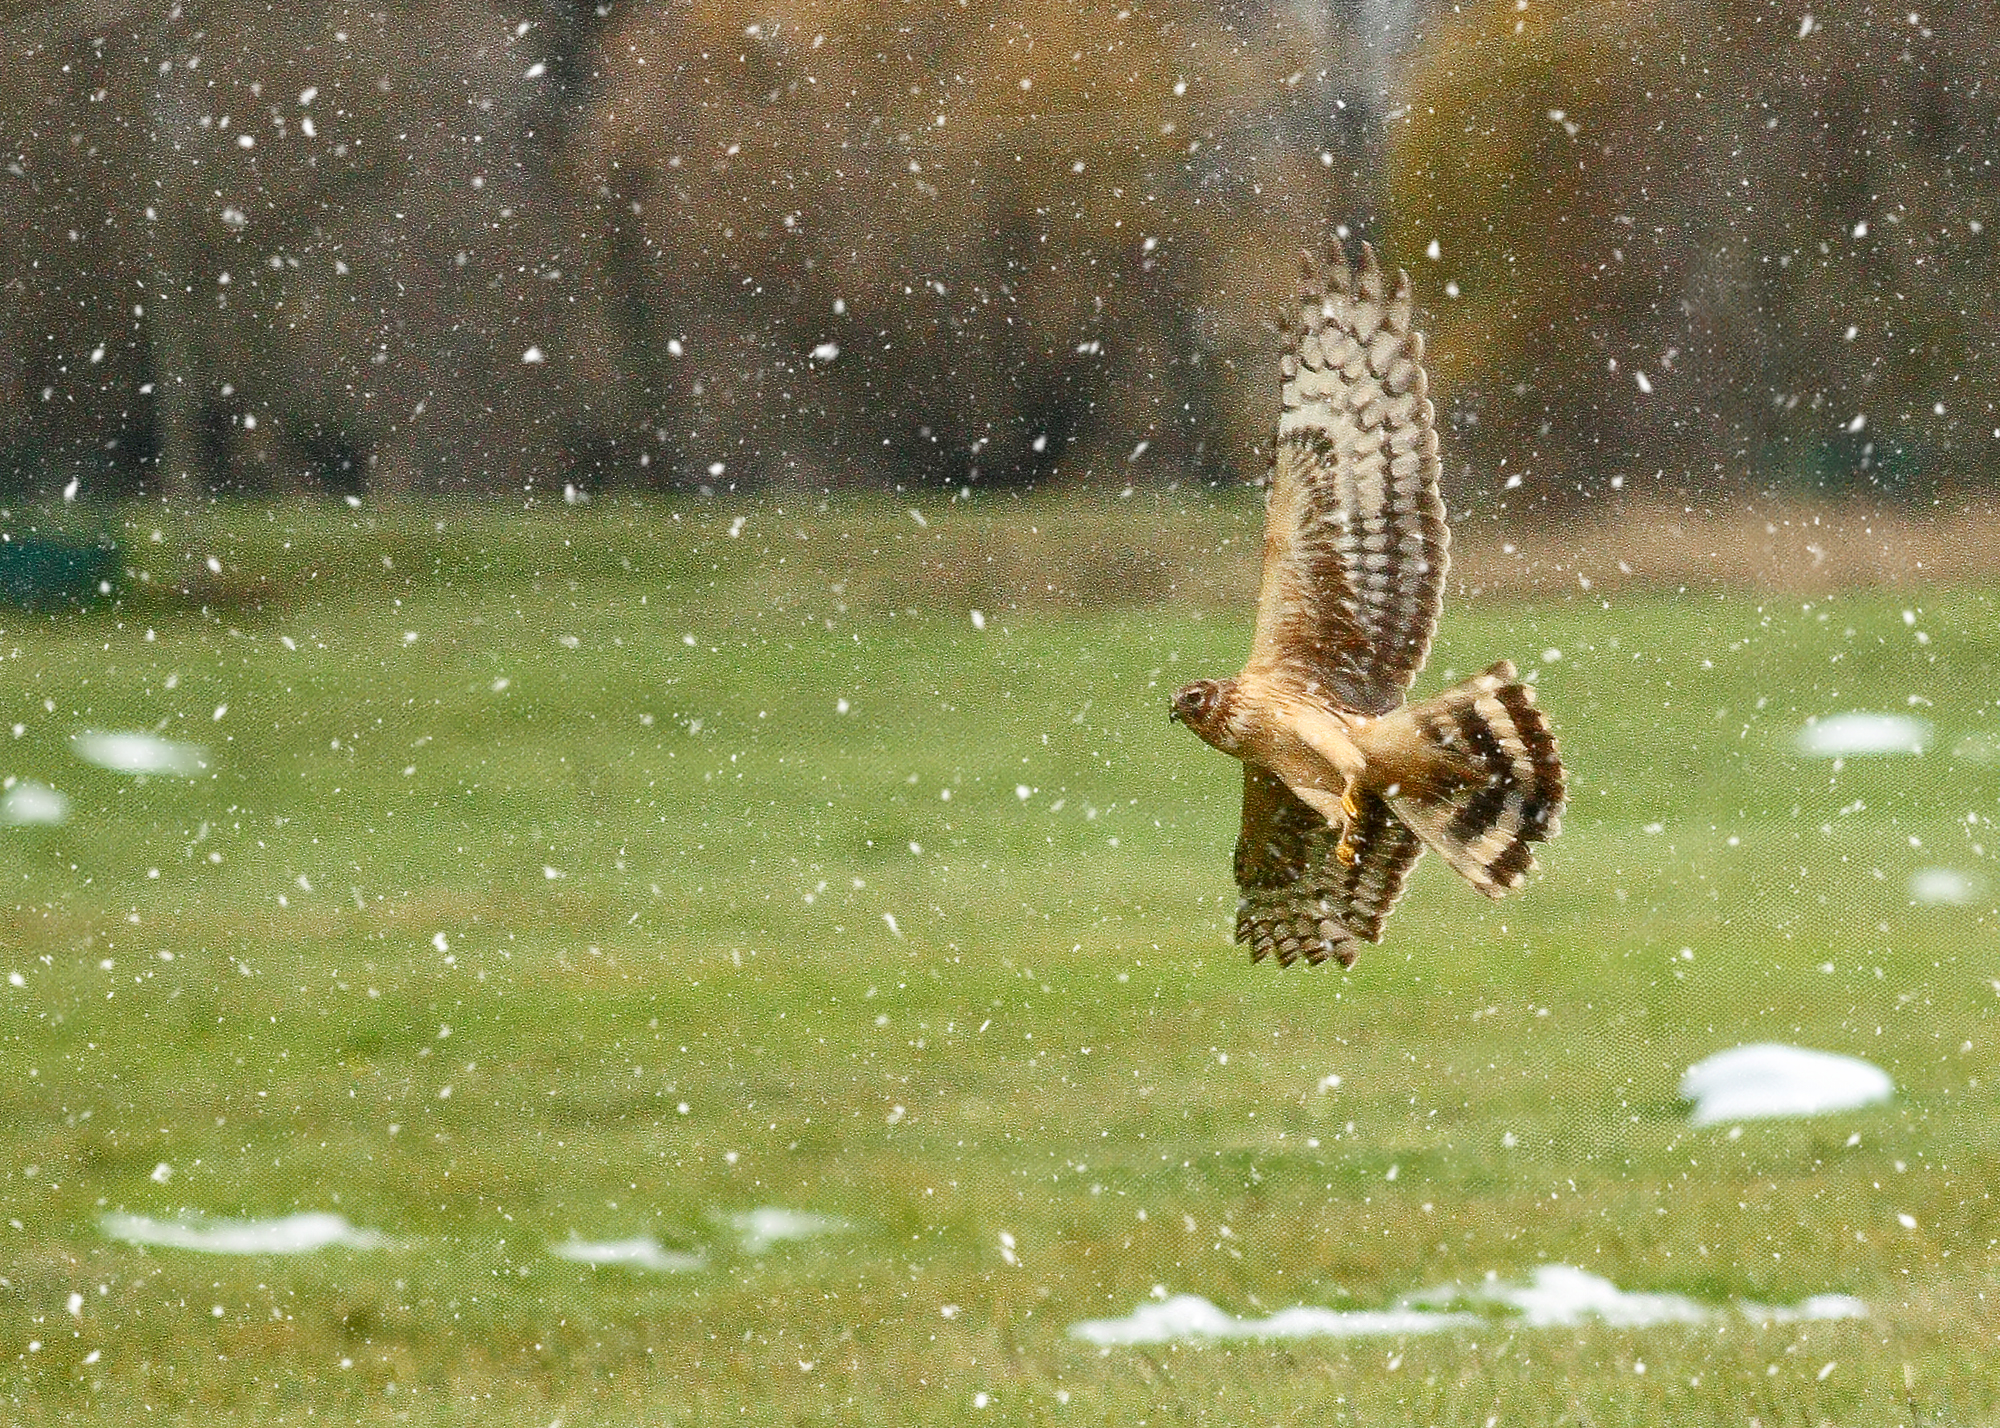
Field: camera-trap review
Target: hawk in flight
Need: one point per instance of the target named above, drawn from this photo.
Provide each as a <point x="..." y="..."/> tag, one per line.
<point x="1344" y="784"/>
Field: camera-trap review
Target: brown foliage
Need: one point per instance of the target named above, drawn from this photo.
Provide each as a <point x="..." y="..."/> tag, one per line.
<point x="994" y="217"/>
<point x="316" y="245"/>
<point x="1681" y="247"/>
<point x="1692" y="244"/>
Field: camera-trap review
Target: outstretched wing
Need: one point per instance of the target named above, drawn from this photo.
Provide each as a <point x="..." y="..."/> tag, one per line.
<point x="1355" y="542"/>
<point x="1296" y="898"/>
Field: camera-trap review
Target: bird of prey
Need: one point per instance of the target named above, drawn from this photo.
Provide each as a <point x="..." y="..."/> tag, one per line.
<point x="1344" y="784"/>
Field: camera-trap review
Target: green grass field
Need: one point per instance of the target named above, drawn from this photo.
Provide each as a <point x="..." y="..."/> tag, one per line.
<point x="613" y="871"/>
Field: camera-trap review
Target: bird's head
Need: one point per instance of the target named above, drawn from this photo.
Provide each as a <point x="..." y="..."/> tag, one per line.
<point x="1200" y="706"/>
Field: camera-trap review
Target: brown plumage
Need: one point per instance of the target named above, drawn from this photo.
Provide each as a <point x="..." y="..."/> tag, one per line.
<point x="1343" y="784"/>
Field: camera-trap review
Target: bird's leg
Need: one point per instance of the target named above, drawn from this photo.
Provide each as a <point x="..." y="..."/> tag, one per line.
<point x="1351" y="806"/>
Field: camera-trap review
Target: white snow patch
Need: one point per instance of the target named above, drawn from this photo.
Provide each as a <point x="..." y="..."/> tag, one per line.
<point x="138" y="753"/>
<point x="757" y="1230"/>
<point x="1558" y="1295"/>
<point x="1861" y="732"/>
<point x="1769" y="1079"/>
<point x="1561" y="1296"/>
<point x="1555" y="1296"/>
<point x="29" y="803"/>
<point x="1189" y="1316"/>
<point x="1944" y="887"/>
<point x="289" y="1234"/>
<point x="1816" y="1307"/>
<point x="639" y="1252"/>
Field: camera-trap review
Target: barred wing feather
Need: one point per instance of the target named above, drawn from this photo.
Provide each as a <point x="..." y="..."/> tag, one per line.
<point x="1296" y="898"/>
<point x="1355" y="542"/>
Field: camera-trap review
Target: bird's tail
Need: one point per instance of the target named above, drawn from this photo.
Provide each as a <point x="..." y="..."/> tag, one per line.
<point x="1474" y="773"/>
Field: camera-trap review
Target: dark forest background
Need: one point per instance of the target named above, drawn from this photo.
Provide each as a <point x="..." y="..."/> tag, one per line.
<point x="1676" y="251"/>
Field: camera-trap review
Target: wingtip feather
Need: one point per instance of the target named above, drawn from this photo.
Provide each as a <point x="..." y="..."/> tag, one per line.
<point x="1402" y="304"/>
<point x="1339" y="277"/>
<point x="1369" y="284"/>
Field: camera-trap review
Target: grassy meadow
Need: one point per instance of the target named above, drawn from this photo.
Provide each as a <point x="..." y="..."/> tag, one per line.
<point x="610" y="872"/>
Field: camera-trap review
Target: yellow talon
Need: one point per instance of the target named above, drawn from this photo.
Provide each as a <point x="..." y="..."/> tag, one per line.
<point x="1349" y="804"/>
<point x="1344" y="851"/>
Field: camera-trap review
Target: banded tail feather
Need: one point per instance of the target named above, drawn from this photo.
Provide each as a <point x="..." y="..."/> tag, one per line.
<point x="1475" y="774"/>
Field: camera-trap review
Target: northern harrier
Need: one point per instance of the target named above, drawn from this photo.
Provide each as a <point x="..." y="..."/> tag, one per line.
<point x="1343" y="784"/>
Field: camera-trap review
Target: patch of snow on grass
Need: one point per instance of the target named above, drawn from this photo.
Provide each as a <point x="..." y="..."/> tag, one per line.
<point x="288" y="1234"/>
<point x="1768" y="1079"/>
<point x="639" y="1252"/>
<point x="1944" y="887"/>
<point x="1563" y="1296"/>
<point x="1555" y="1296"/>
<point x="768" y="1225"/>
<point x="32" y="804"/>
<point x="1864" y="733"/>
<point x="139" y="753"/>
<point x="1558" y="1295"/>
<point x="1819" y="1306"/>
<point x="1189" y="1316"/>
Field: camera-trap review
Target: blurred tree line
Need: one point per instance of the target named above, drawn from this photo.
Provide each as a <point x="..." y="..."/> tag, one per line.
<point x="1686" y="249"/>
<point x="1699" y="250"/>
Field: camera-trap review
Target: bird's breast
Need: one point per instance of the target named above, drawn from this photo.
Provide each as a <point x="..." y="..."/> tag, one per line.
<point x="1307" y="740"/>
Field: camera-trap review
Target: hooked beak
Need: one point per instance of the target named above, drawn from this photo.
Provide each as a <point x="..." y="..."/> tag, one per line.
<point x="1173" y="714"/>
